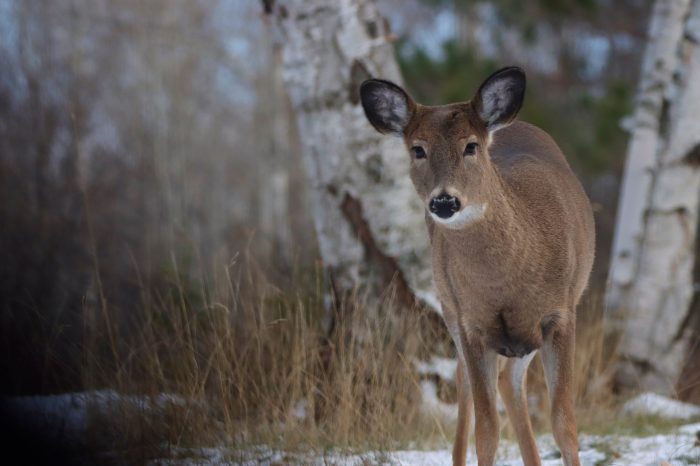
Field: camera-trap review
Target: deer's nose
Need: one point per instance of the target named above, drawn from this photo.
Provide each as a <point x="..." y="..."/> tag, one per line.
<point x="444" y="205"/>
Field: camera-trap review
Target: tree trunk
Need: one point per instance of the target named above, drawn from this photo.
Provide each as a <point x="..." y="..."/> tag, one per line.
<point x="368" y="219"/>
<point x="651" y="286"/>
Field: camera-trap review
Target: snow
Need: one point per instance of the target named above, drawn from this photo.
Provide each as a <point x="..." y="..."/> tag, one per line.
<point x="443" y="367"/>
<point x="430" y="298"/>
<point x="690" y="429"/>
<point x="432" y="404"/>
<point x="651" y="404"/>
<point x="652" y="450"/>
<point x="299" y="412"/>
<point x="58" y="416"/>
<point x="508" y="455"/>
<point x="65" y="417"/>
<point x="678" y="448"/>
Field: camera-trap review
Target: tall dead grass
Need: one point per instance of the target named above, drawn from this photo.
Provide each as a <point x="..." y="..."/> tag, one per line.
<point x="256" y="363"/>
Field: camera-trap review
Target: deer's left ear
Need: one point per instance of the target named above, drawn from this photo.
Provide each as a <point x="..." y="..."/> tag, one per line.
<point x="500" y="97"/>
<point x="388" y="107"/>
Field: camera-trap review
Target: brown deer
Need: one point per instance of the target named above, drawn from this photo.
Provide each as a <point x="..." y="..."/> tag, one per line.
<point x="512" y="239"/>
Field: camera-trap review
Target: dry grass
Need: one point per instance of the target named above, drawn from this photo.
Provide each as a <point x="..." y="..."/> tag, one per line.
<point x="596" y="362"/>
<point x="257" y="367"/>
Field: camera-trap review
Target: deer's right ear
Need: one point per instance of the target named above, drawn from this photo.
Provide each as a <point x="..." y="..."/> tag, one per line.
<point x="388" y="107"/>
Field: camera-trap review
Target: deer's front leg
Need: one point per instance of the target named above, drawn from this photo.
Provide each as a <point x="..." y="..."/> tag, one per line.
<point x="464" y="391"/>
<point x="482" y="366"/>
<point x="558" y="360"/>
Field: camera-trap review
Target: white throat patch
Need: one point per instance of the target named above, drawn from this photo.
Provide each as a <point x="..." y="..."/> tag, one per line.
<point x="464" y="217"/>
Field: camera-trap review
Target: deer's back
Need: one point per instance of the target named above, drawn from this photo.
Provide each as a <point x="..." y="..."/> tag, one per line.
<point x="549" y="196"/>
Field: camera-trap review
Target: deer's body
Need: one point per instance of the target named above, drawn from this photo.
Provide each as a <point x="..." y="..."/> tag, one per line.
<point x="512" y="240"/>
<point x="529" y="257"/>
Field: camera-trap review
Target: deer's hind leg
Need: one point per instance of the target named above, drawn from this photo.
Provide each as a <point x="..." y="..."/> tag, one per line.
<point x="465" y="403"/>
<point x="558" y="360"/>
<point x="512" y="386"/>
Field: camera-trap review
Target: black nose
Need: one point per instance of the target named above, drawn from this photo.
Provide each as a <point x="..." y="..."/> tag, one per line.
<point x="444" y="205"/>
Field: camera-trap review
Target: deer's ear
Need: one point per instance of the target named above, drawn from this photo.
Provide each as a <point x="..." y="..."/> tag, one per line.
<point x="500" y="97"/>
<point x="388" y="107"/>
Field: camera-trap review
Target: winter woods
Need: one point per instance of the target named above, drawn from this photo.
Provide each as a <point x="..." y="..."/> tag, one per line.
<point x="653" y="293"/>
<point x="192" y="202"/>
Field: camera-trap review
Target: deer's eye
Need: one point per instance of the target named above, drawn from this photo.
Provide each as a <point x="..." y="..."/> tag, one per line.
<point x="471" y="148"/>
<point x="418" y="152"/>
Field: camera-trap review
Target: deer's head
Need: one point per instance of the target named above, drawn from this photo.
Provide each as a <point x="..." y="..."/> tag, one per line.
<point x="449" y="144"/>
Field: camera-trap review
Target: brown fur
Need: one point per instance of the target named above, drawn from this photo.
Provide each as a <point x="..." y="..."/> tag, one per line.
<point x="509" y="281"/>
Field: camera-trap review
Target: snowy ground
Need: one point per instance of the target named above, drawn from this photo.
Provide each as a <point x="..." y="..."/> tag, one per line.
<point x="681" y="446"/>
<point x="678" y="448"/>
<point x="64" y="417"/>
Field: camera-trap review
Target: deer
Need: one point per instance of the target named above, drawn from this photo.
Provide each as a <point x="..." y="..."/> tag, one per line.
<point x="512" y="242"/>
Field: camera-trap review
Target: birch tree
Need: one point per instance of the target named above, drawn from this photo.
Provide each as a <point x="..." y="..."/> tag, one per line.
<point x="651" y="287"/>
<point x="368" y="220"/>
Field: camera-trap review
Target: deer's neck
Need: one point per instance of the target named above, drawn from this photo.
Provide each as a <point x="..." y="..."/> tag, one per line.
<point x="498" y="239"/>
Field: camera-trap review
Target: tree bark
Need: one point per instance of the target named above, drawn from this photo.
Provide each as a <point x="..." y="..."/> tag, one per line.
<point x="368" y="219"/>
<point x="651" y="286"/>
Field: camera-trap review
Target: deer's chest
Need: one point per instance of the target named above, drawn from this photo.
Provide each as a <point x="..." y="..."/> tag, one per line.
<point x="477" y="281"/>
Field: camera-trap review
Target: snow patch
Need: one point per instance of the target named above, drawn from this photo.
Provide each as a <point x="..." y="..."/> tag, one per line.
<point x="690" y="429"/>
<point x="508" y="455"/>
<point x="430" y="298"/>
<point x="445" y="368"/>
<point x="677" y="448"/>
<point x="433" y="405"/>
<point x="651" y="451"/>
<point x="300" y="409"/>
<point x="65" y="417"/>
<point x="651" y="404"/>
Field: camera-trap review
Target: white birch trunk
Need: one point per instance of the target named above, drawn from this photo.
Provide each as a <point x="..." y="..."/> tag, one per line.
<point x="367" y="216"/>
<point x="368" y="219"/>
<point x="651" y="278"/>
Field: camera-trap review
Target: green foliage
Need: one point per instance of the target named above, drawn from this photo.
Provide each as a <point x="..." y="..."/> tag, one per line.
<point x="453" y="78"/>
<point x="586" y="126"/>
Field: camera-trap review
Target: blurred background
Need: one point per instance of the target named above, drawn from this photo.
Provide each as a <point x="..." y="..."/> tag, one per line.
<point x="132" y="131"/>
<point x="157" y="222"/>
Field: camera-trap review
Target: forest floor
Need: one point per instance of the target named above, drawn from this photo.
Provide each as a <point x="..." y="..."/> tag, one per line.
<point x="662" y="430"/>
<point x="678" y="447"/>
